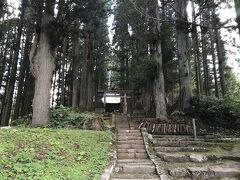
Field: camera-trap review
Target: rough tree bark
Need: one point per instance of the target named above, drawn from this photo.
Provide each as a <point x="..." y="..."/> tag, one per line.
<point x="87" y="74"/>
<point x="159" y="84"/>
<point x="58" y="84"/>
<point x="90" y="73"/>
<point x="127" y="72"/>
<point x="205" y="63"/>
<point x="183" y="54"/>
<point x="64" y="48"/>
<point x="83" y="85"/>
<point x="212" y="39"/>
<point x="42" y="60"/>
<point x="204" y="41"/>
<point x="42" y="69"/>
<point x="122" y="68"/>
<point x="221" y="61"/>
<point x="63" y="71"/>
<point x="75" y="67"/>
<point x="199" y="84"/>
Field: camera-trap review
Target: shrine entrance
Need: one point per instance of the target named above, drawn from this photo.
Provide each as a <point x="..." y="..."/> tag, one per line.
<point x="113" y="101"/>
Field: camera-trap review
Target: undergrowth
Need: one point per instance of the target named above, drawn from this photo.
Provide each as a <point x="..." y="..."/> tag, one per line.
<point x="65" y="117"/>
<point x="214" y="112"/>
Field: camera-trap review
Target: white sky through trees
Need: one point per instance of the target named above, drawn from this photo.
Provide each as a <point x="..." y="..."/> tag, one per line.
<point x="231" y="38"/>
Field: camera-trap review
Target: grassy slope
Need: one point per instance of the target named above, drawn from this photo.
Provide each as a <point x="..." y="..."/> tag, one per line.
<point x="48" y="154"/>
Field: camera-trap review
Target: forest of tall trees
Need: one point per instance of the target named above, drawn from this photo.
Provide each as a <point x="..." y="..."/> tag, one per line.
<point x="60" y="52"/>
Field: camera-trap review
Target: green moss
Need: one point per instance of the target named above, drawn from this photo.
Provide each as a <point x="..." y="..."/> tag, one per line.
<point x="50" y="154"/>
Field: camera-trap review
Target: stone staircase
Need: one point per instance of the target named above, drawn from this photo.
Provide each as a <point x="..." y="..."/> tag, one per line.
<point x="182" y="157"/>
<point x="132" y="159"/>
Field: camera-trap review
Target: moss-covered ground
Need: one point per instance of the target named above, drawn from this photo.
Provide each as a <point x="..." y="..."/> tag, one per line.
<point x="49" y="154"/>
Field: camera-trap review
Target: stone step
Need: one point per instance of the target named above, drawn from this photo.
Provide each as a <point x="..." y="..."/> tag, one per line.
<point x="172" y="136"/>
<point x="226" y="157"/>
<point x="191" y="172"/>
<point x="177" y="143"/>
<point x="132" y="156"/>
<point x="197" y="158"/>
<point x="204" y="172"/>
<point x="133" y="161"/>
<point x="130" y="146"/>
<point x="180" y="149"/>
<point x="122" y="127"/>
<point x="130" y="142"/>
<point x="218" y="140"/>
<point x="179" y="172"/>
<point x="131" y="150"/>
<point x="130" y="134"/>
<point x="226" y="172"/>
<point x="200" y="172"/>
<point x="135" y="176"/>
<point x="120" y="165"/>
<point x="141" y="169"/>
<point x="125" y="138"/>
<point x="128" y="131"/>
<point x="176" y="139"/>
<point x="134" y="179"/>
<point x="176" y="158"/>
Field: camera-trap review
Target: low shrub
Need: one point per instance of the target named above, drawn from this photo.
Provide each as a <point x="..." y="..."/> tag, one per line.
<point x="178" y="116"/>
<point x="61" y="117"/>
<point x="24" y="121"/>
<point x="64" y="117"/>
<point x="213" y="112"/>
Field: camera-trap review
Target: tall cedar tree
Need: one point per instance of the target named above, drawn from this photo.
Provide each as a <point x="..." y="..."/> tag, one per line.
<point x="182" y="26"/>
<point x="156" y="52"/>
<point x="42" y="58"/>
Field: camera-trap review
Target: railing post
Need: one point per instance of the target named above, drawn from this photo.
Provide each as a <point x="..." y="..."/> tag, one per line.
<point x="194" y="129"/>
<point x="113" y="120"/>
<point x="125" y="110"/>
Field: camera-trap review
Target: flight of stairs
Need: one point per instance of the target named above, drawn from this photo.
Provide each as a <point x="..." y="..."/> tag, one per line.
<point x="132" y="159"/>
<point x="182" y="157"/>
